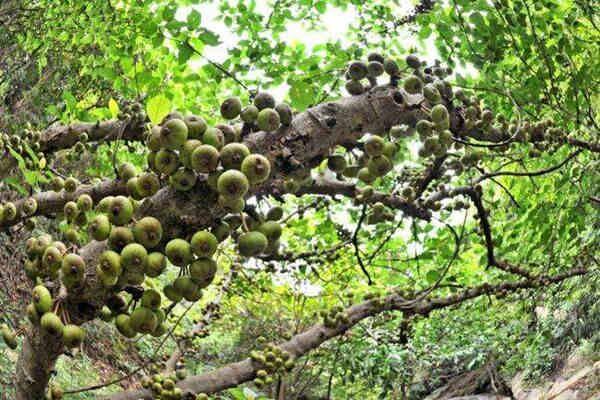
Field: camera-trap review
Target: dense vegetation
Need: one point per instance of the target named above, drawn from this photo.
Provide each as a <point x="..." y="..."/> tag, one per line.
<point x="236" y="200"/>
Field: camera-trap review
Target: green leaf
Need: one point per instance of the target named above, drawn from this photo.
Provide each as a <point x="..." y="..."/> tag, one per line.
<point x="432" y="276"/>
<point x="31" y="153"/>
<point x="184" y="53"/>
<point x="157" y="108"/>
<point x="193" y="20"/>
<point x="113" y="107"/>
<point x="209" y="38"/>
<point x="18" y="157"/>
<point x="321" y="6"/>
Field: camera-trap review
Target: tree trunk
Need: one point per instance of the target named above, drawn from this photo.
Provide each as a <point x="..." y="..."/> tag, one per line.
<point x="35" y="365"/>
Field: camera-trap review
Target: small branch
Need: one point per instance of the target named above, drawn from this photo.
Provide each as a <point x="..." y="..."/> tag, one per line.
<point x="530" y="174"/>
<point x="354" y="240"/>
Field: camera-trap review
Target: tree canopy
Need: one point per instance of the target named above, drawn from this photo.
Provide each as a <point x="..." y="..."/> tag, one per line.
<point x="259" y="201"/>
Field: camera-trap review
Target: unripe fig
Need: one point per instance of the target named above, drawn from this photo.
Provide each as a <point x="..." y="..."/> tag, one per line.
<point x="375" y="69"/>
<point x="264" y="100"/>
<point x="431" y="93"/>
<point x="379" y="166"/>
<point x="232" y="184"/>
<point x="268" y="120"/>
<point x="214" y="137"/>
<point x="186" y="152"/>
<point x="148" y="232"/>
<point x="29" y="206"/>
<point x="202" y="271"/>
<point x="143" y="320"/>
<point x="41" y="299"/>
<point x="391" y="67"/>
<point x="71" y="184"/>
<point x="354" y="87"/>
<point x="126" y="171"/>
<point x="249" y="114"/>
<point x="357" y="70"/>
<point x="413" y="85"/>
<point x="153" y="139"/>
<point x="52" y="259"/>
<point x="375" y="57"/>
<point x="133" y="257"/>
<point x="252" y="243"/>
<point x="70" y="210"/>
<point x="57" y="183"/>
<point x="204" y="244"/>
<point x="271" y="229"/>
<point x="73" y="336"/>
<point x="119" y="237"/>
<point x="73" y="269"/>
<point x="413" y="61"/>
<point x="173" y="134"/>
<point x="374" y="145"/>
<point x="85" y="202"/>
<point x="285" y="113"/>
<point x="179" y="252"/>
<point x="233" y="154"/>
<point x="52" y="325"/>
<point x="231" y="108"/>
<point x="275" y="214"/>
<point x="365" y="176"/>
<point x="205" y="159"/>
<point x="156" y="263"/>
<point x="166" y="161"/>
<point x="257" y="168"/>
<point x="183" y="179"/>
<point x="9" y="212"/>
<point x="120" y="210"/>
<point x="123" y="325"/>
<point x="336" y="163"/>
<point x="147" y="184"/>
<point x="151" y="299"/>
<point x="109" y="267"/>
<point x="196" y="126"/>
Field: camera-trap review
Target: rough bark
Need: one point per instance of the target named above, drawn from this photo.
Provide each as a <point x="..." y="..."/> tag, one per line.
<point x="36" y="361"/>
<point x="302" y="145"/>
<point x="60" y="137"/>
<point x="51" y="202"/>
<point x="64" y="136"/>
<point x="234" y="374"/>
<point x="40" y="351"/>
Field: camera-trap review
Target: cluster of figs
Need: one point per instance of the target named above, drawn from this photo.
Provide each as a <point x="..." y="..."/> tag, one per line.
<point x="163" y="384"/>
<point x="437" y="132"/>
<point x="270" y="361"/>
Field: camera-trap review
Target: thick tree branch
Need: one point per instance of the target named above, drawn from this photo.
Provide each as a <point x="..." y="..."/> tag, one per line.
<point x="64" y="136"/>
<point x="51" y="202"/>
<point x="593" y="147"/>
<point x="60" y="137"/>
